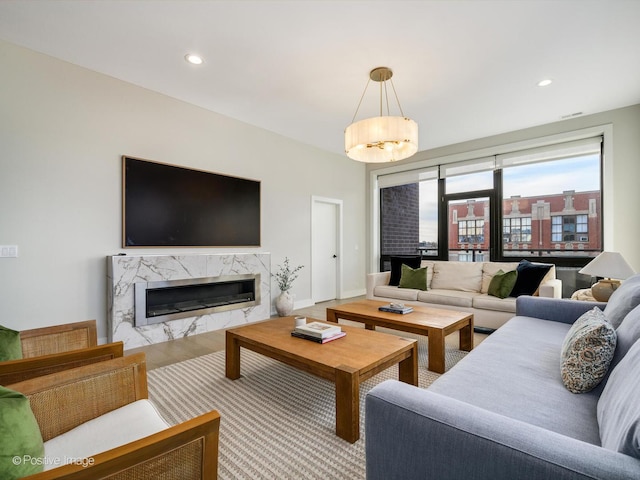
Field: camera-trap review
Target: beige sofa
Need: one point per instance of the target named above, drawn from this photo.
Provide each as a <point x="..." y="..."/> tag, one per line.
<point x="461" y="286"/>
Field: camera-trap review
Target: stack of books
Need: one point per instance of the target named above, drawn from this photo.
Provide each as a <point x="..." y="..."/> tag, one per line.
<point x="396" y="308"/>
<point x="318" y="332"/>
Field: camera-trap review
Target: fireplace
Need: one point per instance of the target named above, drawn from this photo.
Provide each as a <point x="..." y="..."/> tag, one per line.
<point x="160" y="301"/>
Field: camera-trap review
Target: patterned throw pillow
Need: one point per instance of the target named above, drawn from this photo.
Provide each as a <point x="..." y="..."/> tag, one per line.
<point x="587" y="351"/>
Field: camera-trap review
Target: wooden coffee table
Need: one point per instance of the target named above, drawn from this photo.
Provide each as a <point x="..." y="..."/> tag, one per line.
<point x="346" y="362"/>
<point x="436" y="323"/>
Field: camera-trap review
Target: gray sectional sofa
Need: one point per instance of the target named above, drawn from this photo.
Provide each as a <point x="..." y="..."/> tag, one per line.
<point x="460" y="286"/>
<point x="503" y="412"/>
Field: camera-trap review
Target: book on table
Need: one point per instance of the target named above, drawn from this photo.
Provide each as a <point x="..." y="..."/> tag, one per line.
<point x="318" y="339"/>
<point x="318" y="329"/>
<point x="396" y="308"/>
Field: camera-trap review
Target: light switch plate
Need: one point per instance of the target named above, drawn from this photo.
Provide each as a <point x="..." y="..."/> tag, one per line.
<point x="8" y="251"/>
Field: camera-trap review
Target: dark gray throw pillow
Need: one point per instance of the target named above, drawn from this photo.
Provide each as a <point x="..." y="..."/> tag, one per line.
<point x="529" y="277"/>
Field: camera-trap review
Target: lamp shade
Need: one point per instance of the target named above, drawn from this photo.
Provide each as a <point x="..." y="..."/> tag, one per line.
<point x="381" y="139"/>
<point x="608" y="265"/>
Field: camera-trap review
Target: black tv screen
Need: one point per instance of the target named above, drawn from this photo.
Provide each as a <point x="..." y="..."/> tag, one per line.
<point x="169" y="206"/>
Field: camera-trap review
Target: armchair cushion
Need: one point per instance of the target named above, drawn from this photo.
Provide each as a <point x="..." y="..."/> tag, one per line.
<point x="10" y="345"/>
<point x="20" y="437"/>
<point x="121" y="426"/>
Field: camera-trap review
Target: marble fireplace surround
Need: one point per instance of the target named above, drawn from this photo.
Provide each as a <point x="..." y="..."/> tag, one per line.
<point x="123" y="271"/>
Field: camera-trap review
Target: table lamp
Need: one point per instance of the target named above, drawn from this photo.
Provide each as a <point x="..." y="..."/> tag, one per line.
<point x="609" y="266"/>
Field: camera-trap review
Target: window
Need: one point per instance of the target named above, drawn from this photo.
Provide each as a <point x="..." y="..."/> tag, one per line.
<point x="471" y="231"/>
<point x="570" y="228"/>
<point x="515" y="230"/>
<point x="539" y="202"/>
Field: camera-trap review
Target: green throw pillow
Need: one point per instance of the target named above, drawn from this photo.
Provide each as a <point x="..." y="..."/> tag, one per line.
<point x="502" y="283"/>
<point x="413" y="278"/>
<point x="10" y="345"/>
<point x="21" y="446"/>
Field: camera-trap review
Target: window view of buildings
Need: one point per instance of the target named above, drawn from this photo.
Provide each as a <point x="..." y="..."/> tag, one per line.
<point x="548" y="208"/>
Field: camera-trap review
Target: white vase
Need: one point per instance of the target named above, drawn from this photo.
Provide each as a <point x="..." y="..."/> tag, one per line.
<point x="284" y="304"/>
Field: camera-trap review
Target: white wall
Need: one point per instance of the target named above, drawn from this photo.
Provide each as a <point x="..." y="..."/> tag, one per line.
<point x="621" y="194"/>
<point x="63" y="130"/>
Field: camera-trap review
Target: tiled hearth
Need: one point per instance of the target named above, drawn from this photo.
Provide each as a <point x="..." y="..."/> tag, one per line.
<point x="125" y="270"/>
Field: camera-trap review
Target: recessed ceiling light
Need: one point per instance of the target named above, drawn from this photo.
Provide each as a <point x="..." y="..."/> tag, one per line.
<point x="545" y="82"/>
<point x="194" y="59"/>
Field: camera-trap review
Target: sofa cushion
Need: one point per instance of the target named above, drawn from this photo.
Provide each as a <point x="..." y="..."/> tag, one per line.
<point x="489" y="269"/>
<point x="460" y="276"/>
<point x="515" y="372"/>
<point x="20" y="436"/>
<point x="10" y="344"/>
<point x="529" y="277"/>
<point x="121" y="426"/>
<point x="486" y="302"/>
<point x="428" y="264"/>
<point x="628" y="334"/>
<point x="623" y="300"/>
<point x="587" y="351"/>
<point x="618" y="412"/>
<point x="502" y="283"/>
<point x="397" y="293"/>
<point x="448" y="297"/>
<point x="413" y="278"/>
<point x="412" y="261"/>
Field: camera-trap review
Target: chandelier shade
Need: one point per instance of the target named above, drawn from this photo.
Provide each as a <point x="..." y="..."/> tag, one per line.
<point x="384" y="138"/>
<point x="381" y="139"/>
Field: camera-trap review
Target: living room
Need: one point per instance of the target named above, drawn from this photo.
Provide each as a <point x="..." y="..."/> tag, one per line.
<point x="65" y="127"/>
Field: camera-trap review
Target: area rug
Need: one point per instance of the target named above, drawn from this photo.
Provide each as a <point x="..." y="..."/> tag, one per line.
<point x="276" y="422"/>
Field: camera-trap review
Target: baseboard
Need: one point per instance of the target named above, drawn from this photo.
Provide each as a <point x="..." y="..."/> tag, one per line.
<point x="353" y="293"/>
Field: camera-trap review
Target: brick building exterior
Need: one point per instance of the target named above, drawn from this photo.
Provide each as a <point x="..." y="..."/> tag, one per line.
<point x="400" y="220"/>
<point x="550" y="224"/>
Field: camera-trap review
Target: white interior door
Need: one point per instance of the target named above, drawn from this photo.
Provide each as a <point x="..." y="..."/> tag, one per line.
<point x="325" y="241"/>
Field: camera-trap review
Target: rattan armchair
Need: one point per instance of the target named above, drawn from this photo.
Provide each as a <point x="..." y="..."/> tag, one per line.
<point x="63" y="401"/>
<point x="53" y="349"/>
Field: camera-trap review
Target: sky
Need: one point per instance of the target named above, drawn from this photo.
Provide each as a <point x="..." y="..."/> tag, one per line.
<point x="579" y="174"/>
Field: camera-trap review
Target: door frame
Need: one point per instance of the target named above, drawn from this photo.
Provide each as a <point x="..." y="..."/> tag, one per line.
<point x="339" y="234"/>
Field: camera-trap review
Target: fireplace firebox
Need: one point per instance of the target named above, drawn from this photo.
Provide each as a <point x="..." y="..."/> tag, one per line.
<point x="157" y="302"/>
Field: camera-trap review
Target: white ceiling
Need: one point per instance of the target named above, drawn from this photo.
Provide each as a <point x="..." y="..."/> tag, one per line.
<point x="462" y="69"/>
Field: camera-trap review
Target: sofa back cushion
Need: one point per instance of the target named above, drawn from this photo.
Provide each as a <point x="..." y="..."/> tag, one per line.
<point x="462" y="276"/>
<point x="489" y="269"/>
<point x="628" y="334"/>
<point x="623" y="300"/>
<point x="618" y="412"/>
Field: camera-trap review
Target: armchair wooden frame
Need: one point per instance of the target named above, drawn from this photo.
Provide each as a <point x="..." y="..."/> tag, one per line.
<point x="53" y="349"/>
<point x="67" y="399"/>
<point x="58" y="338"/>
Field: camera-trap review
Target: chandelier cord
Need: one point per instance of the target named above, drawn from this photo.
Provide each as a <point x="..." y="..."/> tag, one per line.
<point x="396" y="94"/>
<point x="360" y="102"/>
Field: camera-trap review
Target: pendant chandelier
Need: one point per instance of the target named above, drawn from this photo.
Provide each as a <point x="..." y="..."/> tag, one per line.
<point x="384" y="138"/>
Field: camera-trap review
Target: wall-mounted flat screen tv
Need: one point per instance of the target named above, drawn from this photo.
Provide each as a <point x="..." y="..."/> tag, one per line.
<point x="170" y="206"/>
